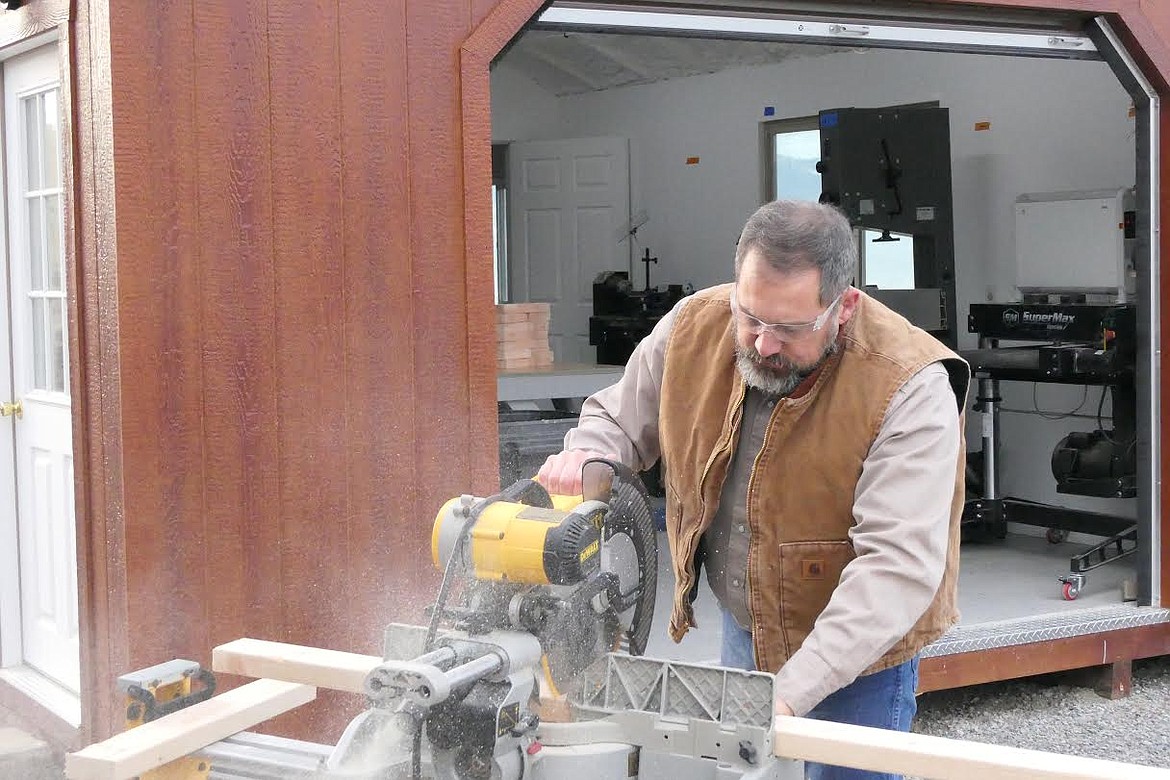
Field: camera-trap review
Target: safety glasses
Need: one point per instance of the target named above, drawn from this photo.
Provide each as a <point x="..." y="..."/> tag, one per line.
<point x="783" y="331"/>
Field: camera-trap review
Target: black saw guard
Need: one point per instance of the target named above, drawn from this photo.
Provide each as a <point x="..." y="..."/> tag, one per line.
<point x="629" y="512"/>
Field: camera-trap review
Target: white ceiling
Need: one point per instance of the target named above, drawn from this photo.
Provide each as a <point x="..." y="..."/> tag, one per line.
<point x="573" y="63"/>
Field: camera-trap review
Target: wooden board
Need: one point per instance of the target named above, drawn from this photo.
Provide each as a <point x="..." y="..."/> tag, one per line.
<point x="169" y="738"/>
<point x="936" y="758"/>
<point x="521" y="330"/>
<point x="522" y="312"/>
<point x="331" y="669"/>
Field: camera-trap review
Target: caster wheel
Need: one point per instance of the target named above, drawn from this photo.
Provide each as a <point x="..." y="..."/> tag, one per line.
<point x="1071" y="591"/>
<point x="1056" y="535"/>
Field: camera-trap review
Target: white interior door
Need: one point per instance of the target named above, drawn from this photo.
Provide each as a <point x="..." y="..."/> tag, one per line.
<point x="38" y="381"/>
<point x="568" y="200"/>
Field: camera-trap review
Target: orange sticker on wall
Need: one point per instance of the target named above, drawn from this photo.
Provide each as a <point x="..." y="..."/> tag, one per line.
<point x="692" y="161"/>
<point x="983" y="125"/>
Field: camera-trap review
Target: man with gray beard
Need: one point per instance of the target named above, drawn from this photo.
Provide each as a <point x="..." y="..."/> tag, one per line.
<point x="776" y="375"/>
<point x="812" y="449"/>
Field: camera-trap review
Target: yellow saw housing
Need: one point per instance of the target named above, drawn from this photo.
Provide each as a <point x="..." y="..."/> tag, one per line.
<point x="513" y="542"/>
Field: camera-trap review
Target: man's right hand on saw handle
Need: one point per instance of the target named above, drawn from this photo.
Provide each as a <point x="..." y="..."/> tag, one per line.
<point x="561" y="473"/>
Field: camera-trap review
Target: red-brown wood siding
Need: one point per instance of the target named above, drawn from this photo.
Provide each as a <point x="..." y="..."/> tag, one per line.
<point x="160" y="257"/>
<point x="239" y="405"/>
<point x="236" y="295"/>
<point x="278" y="393"/>
<point x="388" y="526"/>
<point x="285" y="324"/>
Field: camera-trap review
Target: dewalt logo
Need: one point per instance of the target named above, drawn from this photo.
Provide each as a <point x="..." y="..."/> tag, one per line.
<point x="590" y="551"/>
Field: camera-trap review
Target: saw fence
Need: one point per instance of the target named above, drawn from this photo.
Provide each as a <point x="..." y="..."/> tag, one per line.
<point x="290" y="675"/>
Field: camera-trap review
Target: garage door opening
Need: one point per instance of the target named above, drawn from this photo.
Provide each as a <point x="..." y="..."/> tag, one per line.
<point x="638" y="142"/>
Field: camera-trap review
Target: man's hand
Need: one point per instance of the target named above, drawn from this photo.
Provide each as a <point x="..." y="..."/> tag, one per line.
<point x="561" y="473"/>
<point x="783" y="709"/>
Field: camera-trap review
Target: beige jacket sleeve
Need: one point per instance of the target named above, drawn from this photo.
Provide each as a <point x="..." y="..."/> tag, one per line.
<point x="901" y="512"/>
<point x="623" y="418"/>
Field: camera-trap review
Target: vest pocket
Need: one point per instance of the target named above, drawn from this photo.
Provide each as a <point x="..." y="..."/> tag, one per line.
<point x="809" y="573"/>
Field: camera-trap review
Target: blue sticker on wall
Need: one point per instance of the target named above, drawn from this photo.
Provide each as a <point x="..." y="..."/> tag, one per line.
<point x="769" y="110"/>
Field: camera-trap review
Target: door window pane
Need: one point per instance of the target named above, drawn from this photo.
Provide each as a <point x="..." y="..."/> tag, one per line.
<point x="54" y="262"/>
<point x="50" y="150"/>
<point x="31" y="108"/>
<point x="40" y="380"/>
<point x="54" y="313"/>
<point x="36" y="262"/>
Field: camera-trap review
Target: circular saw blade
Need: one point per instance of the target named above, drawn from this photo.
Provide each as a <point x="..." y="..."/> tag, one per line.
<point x="632" y="543"/>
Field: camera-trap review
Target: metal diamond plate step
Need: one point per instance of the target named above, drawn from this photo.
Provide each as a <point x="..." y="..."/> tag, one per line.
<point x="1042" y="628"/>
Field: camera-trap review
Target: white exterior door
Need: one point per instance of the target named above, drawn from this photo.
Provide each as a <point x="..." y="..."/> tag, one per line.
<point x="35" y="374"/>
<point x="568" y="201"/>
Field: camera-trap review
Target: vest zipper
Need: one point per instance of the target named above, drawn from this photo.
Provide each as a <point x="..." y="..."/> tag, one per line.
<point x="751" y="527"/>
<point x="701" y="526"/>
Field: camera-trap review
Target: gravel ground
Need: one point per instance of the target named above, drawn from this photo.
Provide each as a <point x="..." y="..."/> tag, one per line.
<point x="1052" y="713"/>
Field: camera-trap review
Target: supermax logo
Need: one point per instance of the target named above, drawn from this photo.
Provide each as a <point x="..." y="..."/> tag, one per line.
<point x="1052" y="320"/>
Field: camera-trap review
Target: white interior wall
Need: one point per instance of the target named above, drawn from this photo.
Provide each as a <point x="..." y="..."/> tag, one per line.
<point x="1055" y="125"/>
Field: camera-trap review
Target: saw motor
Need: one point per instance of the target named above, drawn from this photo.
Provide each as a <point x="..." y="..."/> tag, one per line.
<point x="521" y="543"/>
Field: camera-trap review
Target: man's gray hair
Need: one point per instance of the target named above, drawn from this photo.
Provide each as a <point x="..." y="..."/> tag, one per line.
<point x="797" y="235"/>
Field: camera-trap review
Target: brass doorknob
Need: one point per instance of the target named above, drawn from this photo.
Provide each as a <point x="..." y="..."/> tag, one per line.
<point x="10" y="408"/>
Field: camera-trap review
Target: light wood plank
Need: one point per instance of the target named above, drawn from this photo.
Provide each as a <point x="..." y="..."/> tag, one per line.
<point x="176" y="735"/>
<point x="333" y="669"/>
<point x="936" y="758"/>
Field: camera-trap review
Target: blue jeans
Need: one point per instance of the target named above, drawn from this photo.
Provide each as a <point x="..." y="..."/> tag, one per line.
<point x="884" y="700"/>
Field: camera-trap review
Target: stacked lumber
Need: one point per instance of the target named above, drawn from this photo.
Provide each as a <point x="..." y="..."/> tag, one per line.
<point x="522" y="336"/>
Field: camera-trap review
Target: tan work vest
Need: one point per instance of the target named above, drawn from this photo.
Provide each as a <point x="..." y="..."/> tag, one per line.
<point x="800" y="495"/>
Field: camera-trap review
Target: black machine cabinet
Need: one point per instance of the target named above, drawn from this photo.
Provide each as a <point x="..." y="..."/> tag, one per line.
<point x="623" y="316"/>
<point x="1080" y="344"/>
<point x="1057" y="322"/>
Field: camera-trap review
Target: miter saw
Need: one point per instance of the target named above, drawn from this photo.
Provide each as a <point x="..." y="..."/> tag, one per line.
<point x="535" y="589"/>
